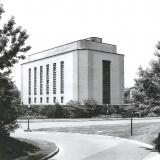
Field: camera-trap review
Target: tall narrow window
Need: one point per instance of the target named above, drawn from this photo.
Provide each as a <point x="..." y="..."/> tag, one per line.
<point x="47" y="79"/>
<point x="106" y="82"/>
<point x="62" y="76"/>
<point x="35" y="80"/>
<point x="41" y="80"/>
<point x="29" y="81"/>
<point x="47" y="99"/>
<point x="29" y="100"/>
<point x="62" y="99"/>
<point x="54" y="78"/>
<point x="41" y="100"/>
<point x="54" y="99"/>
<point x="35" y="100"/>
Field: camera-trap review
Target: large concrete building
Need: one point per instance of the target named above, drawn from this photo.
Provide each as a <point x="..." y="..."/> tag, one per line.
<point x="84" y="69"/>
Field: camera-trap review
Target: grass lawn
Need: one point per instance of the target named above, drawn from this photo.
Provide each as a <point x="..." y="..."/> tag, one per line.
<point x="144" y="132"/>
<point x="21" y="149"/>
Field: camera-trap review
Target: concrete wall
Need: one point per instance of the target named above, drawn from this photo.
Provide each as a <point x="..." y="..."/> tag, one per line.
<point x="90" y="76"/>
<point x="68" y="79"/>
<point x="82" y="75"/>
<point x="116" y="77"/>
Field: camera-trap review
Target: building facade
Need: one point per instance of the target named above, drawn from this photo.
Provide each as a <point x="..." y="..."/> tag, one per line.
<point x="84" y="69"/>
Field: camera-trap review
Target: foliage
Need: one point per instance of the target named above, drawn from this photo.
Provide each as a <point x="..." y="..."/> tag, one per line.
<point x="64" y="111"/>
<point x="147" y="87"/>
<point x="90" y="102"/>
<point x="126" y="95"/>
<point x="91" y="105"/>
<point x="12" y="47"/>
<point x="156" y="141"/>
<point x="73" y="109"/>
<point x="8" y="105"/>
<point x="73" y="103"/>
<point x="12" y="41"/>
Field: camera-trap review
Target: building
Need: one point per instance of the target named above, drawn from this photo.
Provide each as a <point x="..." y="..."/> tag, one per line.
<point x="80" y="70"/>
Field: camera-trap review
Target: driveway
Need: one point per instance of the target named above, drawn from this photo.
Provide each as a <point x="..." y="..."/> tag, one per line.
<point x="75" y="146"/>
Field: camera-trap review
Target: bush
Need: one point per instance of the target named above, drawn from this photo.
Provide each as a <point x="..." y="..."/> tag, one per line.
<point x="156" y="141"/>
<point x="151" y="114"/>
<point x="77" y="112"/>
<point x="74" y="109"/>
<point x="34" y="111"/>
<point x="91" y="106"/>
<point x="156" y="110"/>
<point x="53" y="111"/>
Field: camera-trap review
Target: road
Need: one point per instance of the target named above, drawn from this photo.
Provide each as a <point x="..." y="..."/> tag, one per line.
<point x="90" y="147"/>
<point x="76" y="146"/>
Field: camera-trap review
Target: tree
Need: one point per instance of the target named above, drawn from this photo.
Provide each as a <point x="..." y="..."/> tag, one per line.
<point x="8" y="105"/>
<point x="12" y="43"/>
<point x="147" y="86"/>
<point x="12" y="47"/>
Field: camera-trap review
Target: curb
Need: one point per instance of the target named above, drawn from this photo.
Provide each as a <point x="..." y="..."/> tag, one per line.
<point x="50" y="155"/>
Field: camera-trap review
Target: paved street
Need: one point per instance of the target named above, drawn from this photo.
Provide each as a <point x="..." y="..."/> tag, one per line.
<point x="90" y="147"/>
<point x="76" y="146"/>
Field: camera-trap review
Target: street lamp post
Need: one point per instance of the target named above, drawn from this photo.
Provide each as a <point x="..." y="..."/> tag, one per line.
<point x="28" y="128"/>
<point x="131" y="114"/>
<point x="131" y="124"/>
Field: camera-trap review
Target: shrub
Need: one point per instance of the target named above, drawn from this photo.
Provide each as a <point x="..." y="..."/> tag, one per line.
<point x="78" y="111"/>
<point x="156" y="141"/>
<point x="52" y="111"/>
<point x="34" y="111"/>
<point x="74" y="109"/>
<point x="151" y="114"/>
<point x="91" y="106"/>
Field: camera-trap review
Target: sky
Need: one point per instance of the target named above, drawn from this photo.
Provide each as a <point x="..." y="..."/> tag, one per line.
<point x="132" y="25"/>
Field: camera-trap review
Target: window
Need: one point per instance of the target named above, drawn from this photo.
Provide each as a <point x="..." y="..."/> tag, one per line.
<point x="47" y="99"/>
<point x="47" y="79"/>
<point x="29" y="81"/>
<point x="62" y="99"/>
<point x="35" y="100"/>
<point x="54" y="99"/>
<point x="41" y="80"/>
<point x="41" y="100"/>
<point x="106" y="81"/>
<point x="62" y="76"/>
<point x="29" y="100"/>
<point x="35" y="80"/>
<point x="54" y="78"/>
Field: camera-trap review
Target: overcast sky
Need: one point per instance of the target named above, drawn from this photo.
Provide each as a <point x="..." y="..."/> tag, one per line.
<point x="133" y="25"/>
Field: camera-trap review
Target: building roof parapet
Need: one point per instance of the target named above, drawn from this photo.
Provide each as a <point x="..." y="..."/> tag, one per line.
<point x="92" y="43"/>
